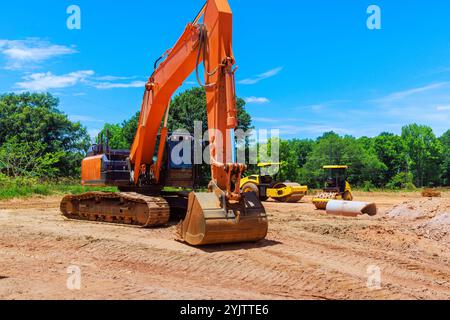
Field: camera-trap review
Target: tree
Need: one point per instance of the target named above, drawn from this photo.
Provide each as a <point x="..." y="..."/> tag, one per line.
<point x="391" y="150"/>
<point x="293" y="155"/>
<point x="402" y="180"/>
<point x="117" y="138"/>
<point x="332" y="149"/>
<point x="35" y="118"/>
<point x="425" y="152"/>
<point x="190" y="106"/>
<point x="445" y="140"/>
<point x="129" y="128"/>
<point x="28" y="159"/>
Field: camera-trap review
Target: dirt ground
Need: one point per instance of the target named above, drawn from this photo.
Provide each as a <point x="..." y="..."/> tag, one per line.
<point x="307" y="255"/>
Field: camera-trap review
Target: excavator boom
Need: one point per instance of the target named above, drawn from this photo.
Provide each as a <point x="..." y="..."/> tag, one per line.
<point x="209" y="42"/>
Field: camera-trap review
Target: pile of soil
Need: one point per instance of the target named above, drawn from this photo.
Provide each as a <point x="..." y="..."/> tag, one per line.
<point x="430" y="217"/>
<point x="437" y="228"/>
<point x="431" y="193"/>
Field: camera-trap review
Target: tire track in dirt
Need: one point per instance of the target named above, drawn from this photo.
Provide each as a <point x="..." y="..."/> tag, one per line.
<point x="306" y="256"/>
<point x="352" y="263"/>
<point x="353" y="258"/>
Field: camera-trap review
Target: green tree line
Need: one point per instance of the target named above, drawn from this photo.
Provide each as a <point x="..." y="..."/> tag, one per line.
<point x="416" y="158"/>
<point x="38" y="140"/>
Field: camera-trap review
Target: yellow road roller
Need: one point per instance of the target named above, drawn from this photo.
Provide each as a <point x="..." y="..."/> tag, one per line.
<point x="336" y="187"/>
<point x="266" y="186"/>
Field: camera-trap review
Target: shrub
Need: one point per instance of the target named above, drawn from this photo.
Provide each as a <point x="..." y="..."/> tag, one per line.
<point x="368" y="186"/>
<point x="402" y="180"/>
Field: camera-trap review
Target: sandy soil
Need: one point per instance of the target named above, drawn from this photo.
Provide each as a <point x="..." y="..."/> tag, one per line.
<point x="307" y="255"/>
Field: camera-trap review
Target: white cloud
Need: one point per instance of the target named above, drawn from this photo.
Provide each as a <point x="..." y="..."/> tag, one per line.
<point x="317" y="129"/>
<point x="262" y="76"/>
<point x="113" y="85"/>
<point x="443" y="108"/>
<point x="256" y="100"/>
<point x="282" y="120"/>
<point x="30" y="52"/>
<point x="113" y="78"/>
<point x="317" y="107"/>
<point x="419" y="114"/>
<point x="428" y="104"/>
<point x="82" y="118"/>
<point x="396" y="96"/>
<point x="265" y="120"/>
<point x="48" y="80"/>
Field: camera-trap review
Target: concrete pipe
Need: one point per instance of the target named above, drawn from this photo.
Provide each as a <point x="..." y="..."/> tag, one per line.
<point x="351" y="208"/>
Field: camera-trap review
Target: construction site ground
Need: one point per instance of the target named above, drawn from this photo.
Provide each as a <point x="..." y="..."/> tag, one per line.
<point x="307" y="255"/>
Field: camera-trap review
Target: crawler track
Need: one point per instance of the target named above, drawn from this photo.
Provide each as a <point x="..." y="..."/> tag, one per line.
<point x="122" y="207"/>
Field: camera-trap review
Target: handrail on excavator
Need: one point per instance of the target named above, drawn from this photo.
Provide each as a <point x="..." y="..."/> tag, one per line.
<point x="200" y="14"/>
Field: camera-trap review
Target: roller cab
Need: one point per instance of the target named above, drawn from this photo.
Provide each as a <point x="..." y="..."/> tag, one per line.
<point x="336" y="187"/>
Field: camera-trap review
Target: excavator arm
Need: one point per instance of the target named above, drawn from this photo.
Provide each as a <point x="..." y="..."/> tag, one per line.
<point x="209" y="42"/>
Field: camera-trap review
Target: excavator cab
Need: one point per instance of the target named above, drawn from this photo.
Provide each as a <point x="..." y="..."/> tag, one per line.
<point x="104" y="166"/>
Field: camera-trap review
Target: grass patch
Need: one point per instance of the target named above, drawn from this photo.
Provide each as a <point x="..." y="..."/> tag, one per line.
<point x="11" y="188"/>
<point x="380" y="190"/>
<point x="78" y="189"/>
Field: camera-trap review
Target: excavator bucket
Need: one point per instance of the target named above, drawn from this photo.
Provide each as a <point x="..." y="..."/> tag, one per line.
<point x="211" y="220"/>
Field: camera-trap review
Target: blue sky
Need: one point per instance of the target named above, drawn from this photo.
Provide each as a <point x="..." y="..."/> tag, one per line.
<point x="305" y="67"/>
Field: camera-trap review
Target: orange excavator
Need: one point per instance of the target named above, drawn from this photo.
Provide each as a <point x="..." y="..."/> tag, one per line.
<point x="223" y="214"/>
